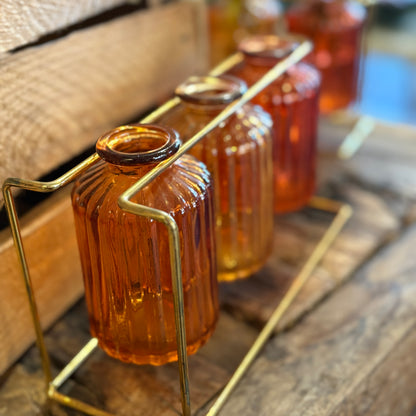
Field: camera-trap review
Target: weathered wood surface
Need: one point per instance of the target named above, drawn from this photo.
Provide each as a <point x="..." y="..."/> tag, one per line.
<point x="351" y="354"/>
<point x="381" y="206"/>
<point x="25" y="21"/>
<point x="57" y="98"/>
<point x="52" y="253"/>
<point x="122" y="388"/>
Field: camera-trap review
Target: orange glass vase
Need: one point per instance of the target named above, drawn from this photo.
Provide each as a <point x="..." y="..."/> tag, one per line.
<point x="336" y="28"/>
<point x="292" y="101"/>
<point x="229" y="21"/>
<point x="125" y="258"/>
<point x="238" y="154"/>
<point x="223" y="16"/>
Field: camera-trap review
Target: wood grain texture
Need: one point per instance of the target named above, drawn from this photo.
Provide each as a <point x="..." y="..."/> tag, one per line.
<point x="369" y="165"/>
<point x="137" y="389"/>
<point x="346" y="357"/>
<point x="52" y="253"/>
<point x="375" y="221"/>
<point x="59" y="97"/>
<point x="25" y="21"/>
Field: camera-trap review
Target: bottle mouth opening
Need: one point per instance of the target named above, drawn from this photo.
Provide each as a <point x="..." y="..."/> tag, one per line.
<point x="138" y="144"/>
<point x="270" y="46"/>
<point x="211" y="90"/>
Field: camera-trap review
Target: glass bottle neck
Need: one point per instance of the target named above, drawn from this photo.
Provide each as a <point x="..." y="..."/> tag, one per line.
<point x="268" y="62"/>
<point x="327" y="8"/>
<point x="136" y="149"/>
<point x="210" y="95"/>
<point x="267" y="50"/>
<point x="203" y="109"/>
<point x="137" y="171"/>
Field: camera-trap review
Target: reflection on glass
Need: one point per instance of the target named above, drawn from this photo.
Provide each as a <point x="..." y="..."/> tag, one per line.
<point x="125" y="258"/>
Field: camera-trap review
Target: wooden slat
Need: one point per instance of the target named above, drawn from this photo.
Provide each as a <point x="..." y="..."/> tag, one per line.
<point x="377" y="218"/>
<point x="59" y="97"/>
<point x="352" y="356"/>
<point x="25" y="21"/>
<point x="369" y="164"/>
<point x="323" y="366"/>
<point x="139" y="390"/>
<point x="50" y="244"/>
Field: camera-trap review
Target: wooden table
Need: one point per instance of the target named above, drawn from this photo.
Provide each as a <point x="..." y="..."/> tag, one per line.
<point x="345" y="347"/>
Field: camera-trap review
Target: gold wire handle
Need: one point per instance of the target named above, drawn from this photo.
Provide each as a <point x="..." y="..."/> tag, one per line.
<point x="365" y="124"/>
<point x="343" y="213"/>
<point x="174" y="248"/>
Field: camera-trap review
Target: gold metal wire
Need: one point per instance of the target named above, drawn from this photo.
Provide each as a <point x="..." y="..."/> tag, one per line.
<point x="17" y="238"/>
<point x="125" y="203"/>
<point x="365" y="124"/>
<point x="74" y="364"/>
<point x="356" y="137"/>
<point x="343" y="213"/>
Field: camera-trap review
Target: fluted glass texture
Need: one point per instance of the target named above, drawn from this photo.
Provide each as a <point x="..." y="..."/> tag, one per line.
<point x="292" y="102"/>
<point x="125" y="258"/>
<point x="336" y="28"/>
<point x="238" y="155"/>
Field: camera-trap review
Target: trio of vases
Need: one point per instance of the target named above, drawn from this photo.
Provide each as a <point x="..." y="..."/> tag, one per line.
<point x="222" y="195"/>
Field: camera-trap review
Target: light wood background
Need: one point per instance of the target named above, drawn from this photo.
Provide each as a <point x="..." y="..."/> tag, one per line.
<point x="346" y="345"/>
<point x="56" y="99"/>
<point x="59" y="97"/>
<point x="25" y="21"/>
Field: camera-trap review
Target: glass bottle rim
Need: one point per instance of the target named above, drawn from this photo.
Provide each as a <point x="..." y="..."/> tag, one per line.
<point x="138" y="144"/>
<point x="211" y="90"/>
<point x="270" y="46"/>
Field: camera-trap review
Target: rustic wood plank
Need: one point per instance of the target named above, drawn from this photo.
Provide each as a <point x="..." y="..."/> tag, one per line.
<point x="52" y="253"/>
<point x="389" y="390"/>
<point x="341" y="360"/>
<point x="382" y="205"/>
<point x="346" y="330"/>
<point x="138" y="389"/>
<point x="59" y="97"/>
<point x="229" y="343"/>
<point x="254" y="299"/>
<point x="382" y="163"/>
<point x="25" y="21"/>
<point x="23" y="393"/>
<point x="373" y="224"/>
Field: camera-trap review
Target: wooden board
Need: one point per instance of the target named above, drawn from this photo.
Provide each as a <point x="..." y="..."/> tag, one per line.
<point x="59" y="97"/>
<point x="25" y="21"/>
<point x="352" y="356"/>
<point x="52" y="253"/>
<point x="353" y="342"/>
<point x="378" y="217"/>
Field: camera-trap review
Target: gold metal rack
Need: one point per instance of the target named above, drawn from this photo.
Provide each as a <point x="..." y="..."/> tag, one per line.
<point x="342" y="211"/>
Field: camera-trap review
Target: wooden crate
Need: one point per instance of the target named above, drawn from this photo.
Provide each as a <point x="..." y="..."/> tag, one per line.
<point x="346" y="344"/>
<point x="60" y="89"/>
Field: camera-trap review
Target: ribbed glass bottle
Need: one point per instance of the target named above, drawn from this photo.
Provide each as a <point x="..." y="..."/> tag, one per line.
<point x="292" y="101"/>
<point x="230" y="21"/>
<point x="125" y="258"/>
<point x="222" y="16"/>
<point x="238" y="154"/>
<point x="336" y="28"/>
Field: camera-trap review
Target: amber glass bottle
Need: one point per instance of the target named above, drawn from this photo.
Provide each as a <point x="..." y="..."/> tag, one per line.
<point x="292" y="101"/>
<point x="260" y="17"/>
<point x="229" y="21"/>
<point x="238" y="155"/>
<point x="223" y="18"/>
<point x="125" y="258"/>
<point x="336" y="27"/>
